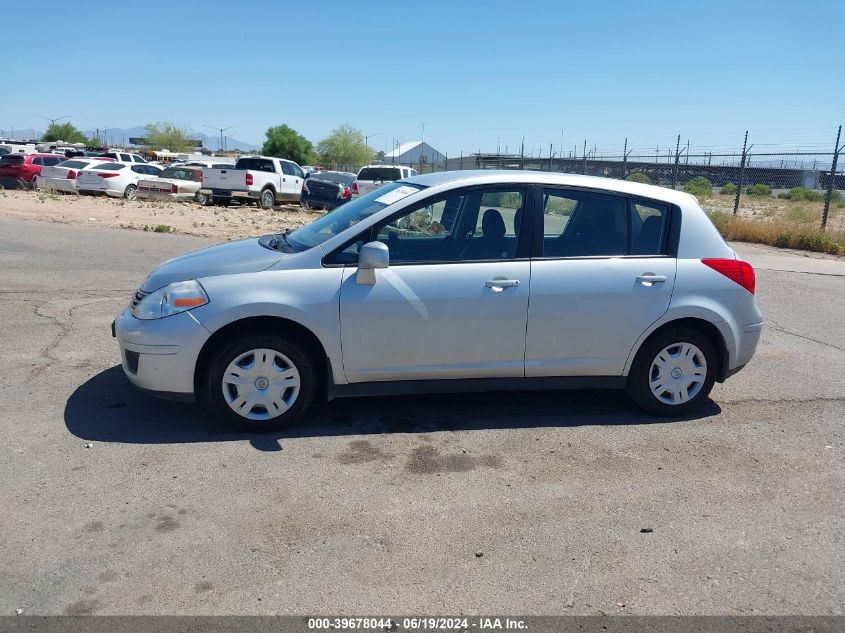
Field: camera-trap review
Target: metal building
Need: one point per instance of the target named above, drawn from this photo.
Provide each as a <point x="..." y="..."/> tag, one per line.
<point x="414" y="153"/>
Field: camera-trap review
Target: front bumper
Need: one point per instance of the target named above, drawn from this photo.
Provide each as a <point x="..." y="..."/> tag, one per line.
<point x="160" y="355"/>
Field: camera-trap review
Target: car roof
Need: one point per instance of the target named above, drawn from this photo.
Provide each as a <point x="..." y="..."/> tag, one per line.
<point x="496" y="176"/>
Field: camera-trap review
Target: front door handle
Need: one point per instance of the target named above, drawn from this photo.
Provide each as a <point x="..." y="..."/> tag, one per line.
<point x="502" y="283"/>
<point x="649" y="279"/>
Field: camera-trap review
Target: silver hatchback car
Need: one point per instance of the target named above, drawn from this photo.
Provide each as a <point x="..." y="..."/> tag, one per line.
<point x="454" y="281"/>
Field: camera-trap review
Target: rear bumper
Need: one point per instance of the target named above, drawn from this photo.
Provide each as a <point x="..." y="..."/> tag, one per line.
<point x="228" y="193"/>
<point x="59" y="184"/>
<point x="328" y="203"/>
<point x="156" y="195"/>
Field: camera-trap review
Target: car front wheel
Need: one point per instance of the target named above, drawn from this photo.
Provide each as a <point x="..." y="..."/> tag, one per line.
<point x="673" y="372"/>
<point x="261" y="382"/>
<point x="131" y="192"/>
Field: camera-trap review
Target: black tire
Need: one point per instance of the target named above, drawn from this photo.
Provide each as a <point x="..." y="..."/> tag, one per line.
<point x="267" y="199"/>
<point x="131" y="192"/>
<point x="203" y="199"/>
<point x="639" y="378"/>
<point x="233" y="348"/>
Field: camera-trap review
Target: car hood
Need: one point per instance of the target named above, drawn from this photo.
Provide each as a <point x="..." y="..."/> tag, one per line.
<point x="241" y="256"/>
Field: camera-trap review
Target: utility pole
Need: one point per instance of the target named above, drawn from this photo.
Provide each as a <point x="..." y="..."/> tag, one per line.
<point x="584" y="167"/>
<point x="222" y="145"/>
<point x="367" y="138"/>
<point x="836" y="150"/>
<point x="625" y="158"/>
<point x="741" y="173"/>
<point x="522" y="153"/>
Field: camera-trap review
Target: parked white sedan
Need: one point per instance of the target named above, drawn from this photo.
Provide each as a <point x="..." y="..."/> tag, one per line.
<point x="62" y="177"/>
<point x="175" y="183"/>
<point x="119" y="180"/>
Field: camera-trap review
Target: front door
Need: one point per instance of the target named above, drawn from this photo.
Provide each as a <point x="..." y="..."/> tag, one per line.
<point x="603" y="278"/>
<point x="453" y="302"/>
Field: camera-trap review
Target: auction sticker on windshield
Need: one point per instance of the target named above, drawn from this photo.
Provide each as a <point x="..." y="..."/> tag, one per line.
<point x="396" y="195"/>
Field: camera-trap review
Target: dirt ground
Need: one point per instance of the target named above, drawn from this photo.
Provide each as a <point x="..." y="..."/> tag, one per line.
<point x="223" y="223"/>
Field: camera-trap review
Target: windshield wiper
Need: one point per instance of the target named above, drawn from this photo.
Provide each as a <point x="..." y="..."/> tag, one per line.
<point x="274" y="243"/>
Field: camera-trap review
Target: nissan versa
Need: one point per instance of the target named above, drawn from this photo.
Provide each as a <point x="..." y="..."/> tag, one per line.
<point x="453" y="281"/>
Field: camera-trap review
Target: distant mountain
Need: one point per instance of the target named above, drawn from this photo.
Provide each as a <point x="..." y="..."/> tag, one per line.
<point x="121" y="136"/>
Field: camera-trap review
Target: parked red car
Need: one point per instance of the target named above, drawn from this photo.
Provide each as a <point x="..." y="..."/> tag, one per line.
<point x="18" y="170"/>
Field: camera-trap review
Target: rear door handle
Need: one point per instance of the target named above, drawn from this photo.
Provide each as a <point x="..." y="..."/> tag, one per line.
<point x="502" y="283"/>
<point x="647" y="279"/>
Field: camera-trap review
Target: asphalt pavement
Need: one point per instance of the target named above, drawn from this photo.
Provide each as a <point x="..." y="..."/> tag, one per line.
<point x="535" y="503"/>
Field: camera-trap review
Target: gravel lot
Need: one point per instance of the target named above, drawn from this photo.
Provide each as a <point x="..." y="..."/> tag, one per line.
<point x="536" y="503"/>
<point x="220" y="223"/>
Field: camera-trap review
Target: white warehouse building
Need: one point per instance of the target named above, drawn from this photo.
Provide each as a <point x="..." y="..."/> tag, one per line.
<point x="413" y="153"/>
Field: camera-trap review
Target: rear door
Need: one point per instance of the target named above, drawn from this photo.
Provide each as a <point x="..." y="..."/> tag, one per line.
<point x="604" y="272"/>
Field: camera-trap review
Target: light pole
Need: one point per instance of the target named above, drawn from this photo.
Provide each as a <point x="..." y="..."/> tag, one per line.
<point x="53" y="121"/>
<point x="367" y="138"/>
<point x="221" y="130"/>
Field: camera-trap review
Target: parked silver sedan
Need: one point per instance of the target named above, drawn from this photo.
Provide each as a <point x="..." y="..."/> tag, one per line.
<point x="452" y="281"/>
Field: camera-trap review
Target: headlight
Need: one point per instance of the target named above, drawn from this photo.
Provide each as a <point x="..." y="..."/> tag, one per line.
<point x="177" y="297"/>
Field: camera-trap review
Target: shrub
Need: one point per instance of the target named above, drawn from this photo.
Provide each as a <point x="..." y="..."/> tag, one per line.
<point x="781" y="234"/>
<point x="699" y="186"/>
<point x="802" y="193"/>
<point x="759" y="190"/>
<point x="638" y="176"/>
<point x="728" y="190"/>
<point x="163" y="228"/>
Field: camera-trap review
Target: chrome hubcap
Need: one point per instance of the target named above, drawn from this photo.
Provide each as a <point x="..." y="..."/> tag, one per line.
<point x="261" y="384"/>
<point x="677" y="373"/>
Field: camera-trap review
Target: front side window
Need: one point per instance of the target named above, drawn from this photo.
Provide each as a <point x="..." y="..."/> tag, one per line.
<point x="287" y="168"/>
<point x="584" y="224"/>
<point x="297" y="171"/>
<point x="470" y="225"/>
<point x="50" y="162"/>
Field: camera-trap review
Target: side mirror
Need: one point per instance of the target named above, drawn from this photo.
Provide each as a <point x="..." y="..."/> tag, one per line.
<point x="372" y="255"/>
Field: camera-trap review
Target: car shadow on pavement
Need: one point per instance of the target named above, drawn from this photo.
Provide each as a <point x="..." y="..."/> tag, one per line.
<point x="107" y="408"/>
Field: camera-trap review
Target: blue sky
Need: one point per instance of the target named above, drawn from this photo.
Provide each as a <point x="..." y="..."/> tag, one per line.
<point x="473" y="72"/>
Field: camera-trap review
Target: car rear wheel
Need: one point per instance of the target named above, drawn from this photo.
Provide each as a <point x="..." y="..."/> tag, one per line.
<point x="203" y="199"/>
<point x="268" y="199"/>
<point x="261" y="382"/>
<point x="673" y="372"/>
<point x="131" y="192"/>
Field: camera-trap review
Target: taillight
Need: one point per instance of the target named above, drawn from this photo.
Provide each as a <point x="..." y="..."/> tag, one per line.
<point x="107" y="175"/>
<point x="174" y="189"/>
<point x="71" y="175"/>
<point x="355" y="187"/>
<point x="248" y="178"/>
<point x="736" y="270"/>
<point x="345" y="193"/>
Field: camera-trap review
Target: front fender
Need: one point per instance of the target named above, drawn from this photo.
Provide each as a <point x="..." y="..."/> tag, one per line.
<point x="310" y="298"/>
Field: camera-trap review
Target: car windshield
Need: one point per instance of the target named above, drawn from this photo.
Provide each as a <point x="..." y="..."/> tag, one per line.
<point x="177" y="173"/>
<point x="336" y="177"/>
<point x="379" y="173"/>
<point x="337" y="221"/>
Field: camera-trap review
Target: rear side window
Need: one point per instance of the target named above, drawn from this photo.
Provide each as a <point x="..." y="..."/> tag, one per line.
<point x="37" y="161"/>
<point x="648" y="227"/>
<point x="584" y="224"/>
<point x="287" y="168"/>
<point x="52" y="161"/>
<point x="380" y="173"/>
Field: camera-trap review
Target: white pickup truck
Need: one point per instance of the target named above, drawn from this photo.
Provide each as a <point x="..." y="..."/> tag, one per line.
<point x="262" y="179"/>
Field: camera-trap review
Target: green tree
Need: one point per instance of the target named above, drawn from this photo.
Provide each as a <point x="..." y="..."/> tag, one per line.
<point x="285" y="142"/>
<point x="164" y="135"/>
<point x="63" y="132"/>
<point x="345" y="146"/>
